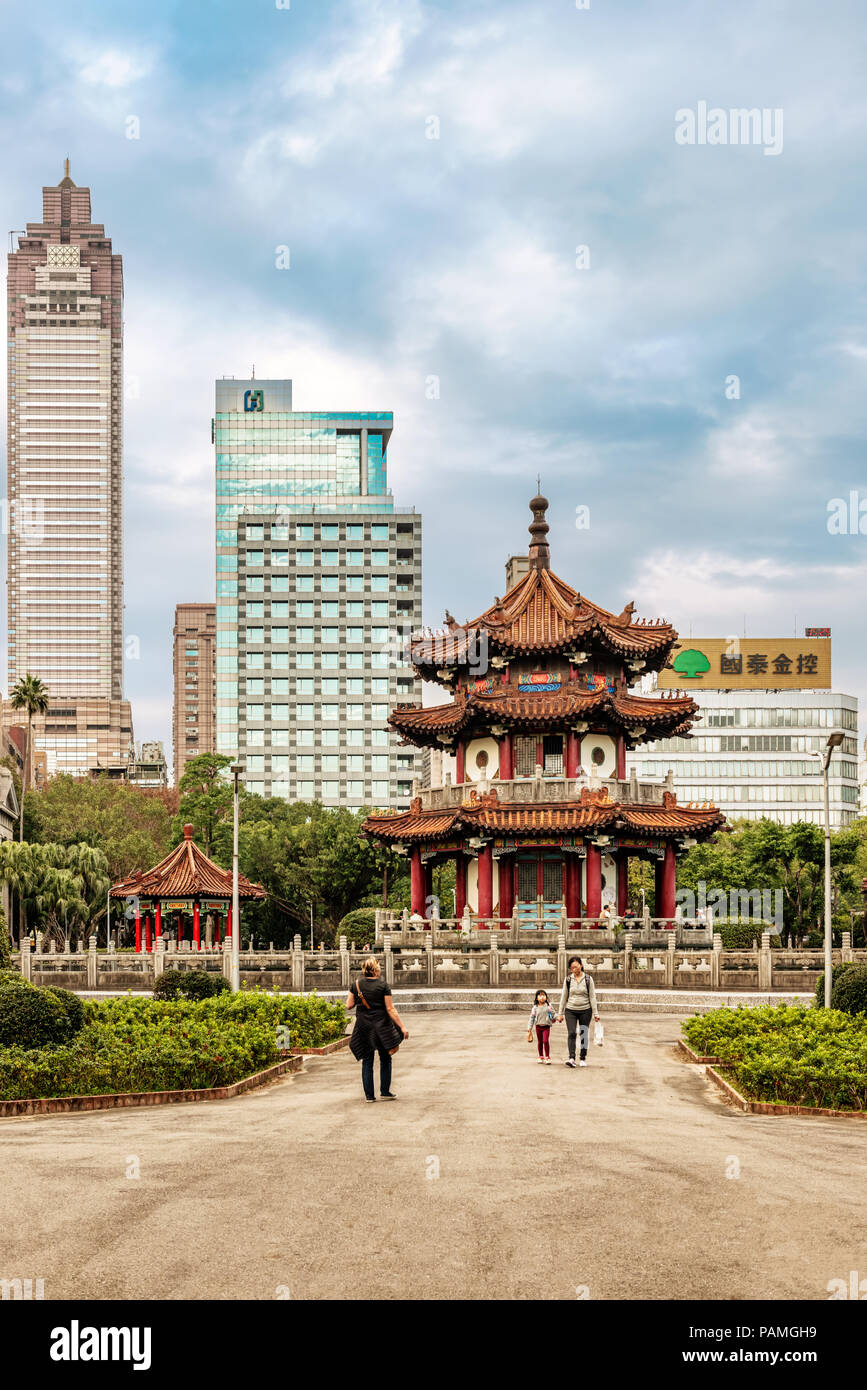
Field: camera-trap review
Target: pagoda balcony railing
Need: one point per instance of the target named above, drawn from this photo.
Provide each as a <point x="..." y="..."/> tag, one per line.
<point x="532" y="790"/>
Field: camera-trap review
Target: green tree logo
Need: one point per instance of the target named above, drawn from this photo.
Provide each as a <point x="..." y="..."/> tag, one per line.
<point x="691" y="663"/>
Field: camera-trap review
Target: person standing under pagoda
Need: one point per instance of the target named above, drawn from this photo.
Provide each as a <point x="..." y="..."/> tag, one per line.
<point x="378" y="1028"/>
<point x="578" y="1007"/>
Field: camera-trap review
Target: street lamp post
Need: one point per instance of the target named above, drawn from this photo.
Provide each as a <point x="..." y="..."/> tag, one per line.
<point x="235" y="770"/>
<point x="834" y="741"/>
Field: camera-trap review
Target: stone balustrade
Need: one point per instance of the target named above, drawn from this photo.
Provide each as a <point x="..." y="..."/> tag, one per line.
<point x="477" y="960"/>
<point x="530" y="790"/>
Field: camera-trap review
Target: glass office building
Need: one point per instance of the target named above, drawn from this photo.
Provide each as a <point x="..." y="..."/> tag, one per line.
<point x="751" y="753"/>
<point x="318" y="577"/>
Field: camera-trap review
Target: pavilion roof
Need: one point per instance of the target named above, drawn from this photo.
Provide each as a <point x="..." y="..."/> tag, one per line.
<point x="594" y="813"/>
<point x="186" y="872"/>
<point x="656" y="716"/>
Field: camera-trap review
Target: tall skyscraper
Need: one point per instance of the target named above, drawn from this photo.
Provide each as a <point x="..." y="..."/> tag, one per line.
<point x="194" y="663"/>
<point x="318" y="575"/>
<point x="65" y="365"/>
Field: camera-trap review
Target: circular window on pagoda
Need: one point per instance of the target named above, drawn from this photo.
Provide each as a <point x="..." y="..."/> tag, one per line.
<point x="482" y="759"/>
<point x="598" y="756"/>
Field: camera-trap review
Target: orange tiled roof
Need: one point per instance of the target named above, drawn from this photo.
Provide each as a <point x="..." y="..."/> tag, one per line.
<point x="543" y="614"/>
<point x="659" y="715"/>
<point x="186" y="873"/>
<point x="592" y="813"/>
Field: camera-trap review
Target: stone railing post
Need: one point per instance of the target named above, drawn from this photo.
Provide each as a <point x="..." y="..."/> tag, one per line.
<point x="766" y="963"/>
<point x="92" y="963"/>
<point x="669" y="962"/>
<point x="389" y="958"/>
<point x="159" y="957"/>
<point x="846" y="948"/>
<point x="297" y="964"/>
<point x="514" y="928"/>
<point x="561" y="959"/>
<point x="628" y="938"/>
<point x="429" y="958"/>
<point x="494" y="959"/>
<point x="377" y="928"/>
<point x="716" y="962"/>
<point x="466" y="921"/>
<point x="25" y="960"/>
<point x="344" y="964"/>
<point x="227" y="959"/>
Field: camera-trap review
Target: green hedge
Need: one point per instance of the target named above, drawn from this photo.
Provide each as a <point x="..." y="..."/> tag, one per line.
<point x="189" y="984"/>
<point x="837" y="972"/>
<point x="739" y="936"/>
<point x="788" y="1054"/>
<point x="34" y="1017"/>
<point x="141" y="1044"/>
<point x="849" y="990"/>
<point x="359" y="926"/>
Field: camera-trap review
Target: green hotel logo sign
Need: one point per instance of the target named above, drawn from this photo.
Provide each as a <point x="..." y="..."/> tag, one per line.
<point x="254" y="400"/>
<point x="691" y="663"/>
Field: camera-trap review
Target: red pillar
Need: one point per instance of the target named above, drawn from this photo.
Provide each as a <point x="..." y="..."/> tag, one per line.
<point x="428" y="888"/>
<point x="158" y="923"/>
<point x="594" y="881"/>
<point x="486" y="882"/>
<point x="507" y="887"/>
<point x="138" y="933"/>
<point x="180" y="927"/>
<point x="573" y="754"/>
<point x="459" y="763"/>
<point x="416" y="878"/>
<point x="621" y="758"/>
<point x="666" y="884"/>
<point x="506" y="764"/>
<point x="622" y="882"/>
<point x="573" y="886"/>
<point x="197" y="927"/>
<point x="460" y="884"/>
<point x="228" y="923"/>
<point x="148" y="939"/>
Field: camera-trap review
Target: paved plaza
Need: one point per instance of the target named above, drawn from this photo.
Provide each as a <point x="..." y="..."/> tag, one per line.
<point x="490" y="1177"/>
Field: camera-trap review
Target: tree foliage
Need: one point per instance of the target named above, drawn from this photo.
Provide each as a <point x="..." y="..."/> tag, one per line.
<point x="131" y="828"/>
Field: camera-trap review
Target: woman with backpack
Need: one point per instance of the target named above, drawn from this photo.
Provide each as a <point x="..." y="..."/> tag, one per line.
<point x="578" y="1006"/>
<point x="377" y="1029"/>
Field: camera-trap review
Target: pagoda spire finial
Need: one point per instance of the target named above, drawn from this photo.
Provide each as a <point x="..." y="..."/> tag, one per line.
<point x="66" y="167"/>
<point x="540" y="556"/>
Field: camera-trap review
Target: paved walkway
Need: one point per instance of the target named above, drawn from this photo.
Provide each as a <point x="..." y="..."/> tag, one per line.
<point x="612" y="1178"/>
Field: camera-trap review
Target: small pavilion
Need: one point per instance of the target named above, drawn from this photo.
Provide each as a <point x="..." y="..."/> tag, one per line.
<point x="184" y="885"/>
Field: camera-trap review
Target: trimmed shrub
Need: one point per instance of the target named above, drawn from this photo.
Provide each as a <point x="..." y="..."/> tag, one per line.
<point x="189" y="984"/>
<point x="849" y="990"/>
<point x="359" y="926"/>
<point x="837" y="973"/>
<point x="32" y="1017"/>
<point x="9" y="979"/>
<point x="73" y="1007"/>
<point x="739" y="936"/>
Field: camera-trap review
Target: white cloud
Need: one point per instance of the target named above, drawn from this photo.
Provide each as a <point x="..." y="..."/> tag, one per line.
<point x="114" y="68"/>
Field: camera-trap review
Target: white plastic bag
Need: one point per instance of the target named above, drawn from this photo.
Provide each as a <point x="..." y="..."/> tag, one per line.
<point x="598" y="1033"/>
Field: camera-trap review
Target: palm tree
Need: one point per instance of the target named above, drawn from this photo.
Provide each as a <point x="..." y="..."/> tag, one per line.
<point x="19" y="868"/>
<point x="31" y="695"/>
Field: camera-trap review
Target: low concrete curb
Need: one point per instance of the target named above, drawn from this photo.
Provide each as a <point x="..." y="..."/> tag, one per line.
<point x="336" y="1046"/>
<point x="693" y="1056"/>
<point x="762" y="1107"/>
<point x="54" y="1105"/>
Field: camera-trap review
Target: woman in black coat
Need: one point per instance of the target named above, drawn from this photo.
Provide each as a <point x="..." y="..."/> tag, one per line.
<point x="377" y="1028"/>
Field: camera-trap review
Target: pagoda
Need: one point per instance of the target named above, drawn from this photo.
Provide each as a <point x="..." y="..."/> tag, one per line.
<point x="541" y="815"/>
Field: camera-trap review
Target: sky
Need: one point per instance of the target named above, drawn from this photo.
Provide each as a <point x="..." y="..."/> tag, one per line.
<point x="497" y="232"/>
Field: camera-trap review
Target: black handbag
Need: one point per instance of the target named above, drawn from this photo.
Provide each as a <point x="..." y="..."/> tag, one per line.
<point x="396" y="1033"/>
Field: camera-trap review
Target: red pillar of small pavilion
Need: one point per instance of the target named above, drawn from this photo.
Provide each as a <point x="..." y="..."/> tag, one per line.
<point x="573" y="886"/>
<point x="622" y="883"/>
<point x="594" y="881"/>
<point x="506" y="764"/>
<point x="416" y="881"/>
<point x="666" y="884"/>
<point x="460" y="884"/>
<point x="197" y="927"/>
<point x="229" y="922"/>
<point x="573" y="754"/>
<point x="486" y="882"/>
<point x="148" y="937"/>
<point x="138" y="932"/>
<point x="180" y="926"/>
<point x="158" y="922"/>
